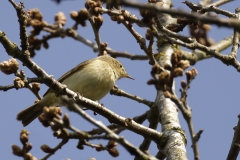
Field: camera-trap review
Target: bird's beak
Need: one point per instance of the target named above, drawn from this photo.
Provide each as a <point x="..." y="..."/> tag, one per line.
<point x="127" y="76"/>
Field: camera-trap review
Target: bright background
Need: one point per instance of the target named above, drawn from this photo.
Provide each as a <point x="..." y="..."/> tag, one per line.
<point x="213" y="97"/>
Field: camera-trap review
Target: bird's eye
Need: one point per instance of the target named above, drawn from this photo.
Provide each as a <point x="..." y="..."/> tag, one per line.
<point x="120" y="66"/>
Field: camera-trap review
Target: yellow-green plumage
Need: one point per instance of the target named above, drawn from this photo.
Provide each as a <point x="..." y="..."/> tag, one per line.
<point x="93" y="79"/>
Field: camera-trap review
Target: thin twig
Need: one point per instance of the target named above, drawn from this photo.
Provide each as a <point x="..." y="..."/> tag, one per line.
<point x="126" y="14"/>
<point x="22" y="19"/>
<point x="220" y="2"/>
<point x="28" y="80"/>
<point x="235" y="38"/>
<point x="22" y="75"/>
<point x="118" y="92"/>
<point x="109" y="50"/>
<point x="217" y="11"/>
<point x="95" y="31"/>
<point x="209" y="8"/>
<point x="142" y="43"/>
<point x="8" y="87"/>
<point x="55" y="149"/>
<point x="197" y="55"/>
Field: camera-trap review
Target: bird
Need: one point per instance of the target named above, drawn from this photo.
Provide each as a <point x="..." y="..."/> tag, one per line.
<point x="92" y="78"/>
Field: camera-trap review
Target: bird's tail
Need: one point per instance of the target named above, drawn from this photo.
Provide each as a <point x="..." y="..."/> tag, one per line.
<point x="30" y="113"/>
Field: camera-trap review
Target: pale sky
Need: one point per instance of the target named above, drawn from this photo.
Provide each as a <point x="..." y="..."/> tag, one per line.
<point x="213" y="96"/>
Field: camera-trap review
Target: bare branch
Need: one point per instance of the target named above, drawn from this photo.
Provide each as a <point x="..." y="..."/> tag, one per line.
<point x="220" y="2"/>
<point x="8" y="87"/>
<point x="197" y="55"/>
<point x="226" y="59"/>
<point x="55" y="149"/>
<point x="22" y="19"/>
<point x="209" y="8"/>
<point x="230" y="23"/>
<point x="235" y="146"/>
<point x="118" y="92"/>
<point x="142" y="43"/>
<point x="96" y="31"/>
<point x="235" y="38"/>
<point x="72" y="106"/>
<point x="126" y="15"/>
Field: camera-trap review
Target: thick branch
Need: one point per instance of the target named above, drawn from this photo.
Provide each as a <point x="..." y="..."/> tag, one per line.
<point x="230" y="23"/>
<point x="72" y="106"/>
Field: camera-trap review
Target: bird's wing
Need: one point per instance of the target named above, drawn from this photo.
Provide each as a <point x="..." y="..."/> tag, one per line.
<point x="78" y="67"/>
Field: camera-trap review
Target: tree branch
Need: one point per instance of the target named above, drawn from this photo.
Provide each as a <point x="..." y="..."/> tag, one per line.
<point x="230" y="23"/>
<point x="235" y="146"/>
<point x="118" y="92"/>
<point x="72" y="106"/>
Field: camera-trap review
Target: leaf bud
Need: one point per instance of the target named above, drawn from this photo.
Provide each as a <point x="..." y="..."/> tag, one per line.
<point x="183" y="84"/>
<point x="18" y="83"/>
<point x="177" y="72"/>
<point x="10" y="66"/>
<point x="112" y="144"/>
<point x="17" y="151"/>
<point x="184" y="64"/>
<point x="45" y="148"/>
<point x="113" y="152"/>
